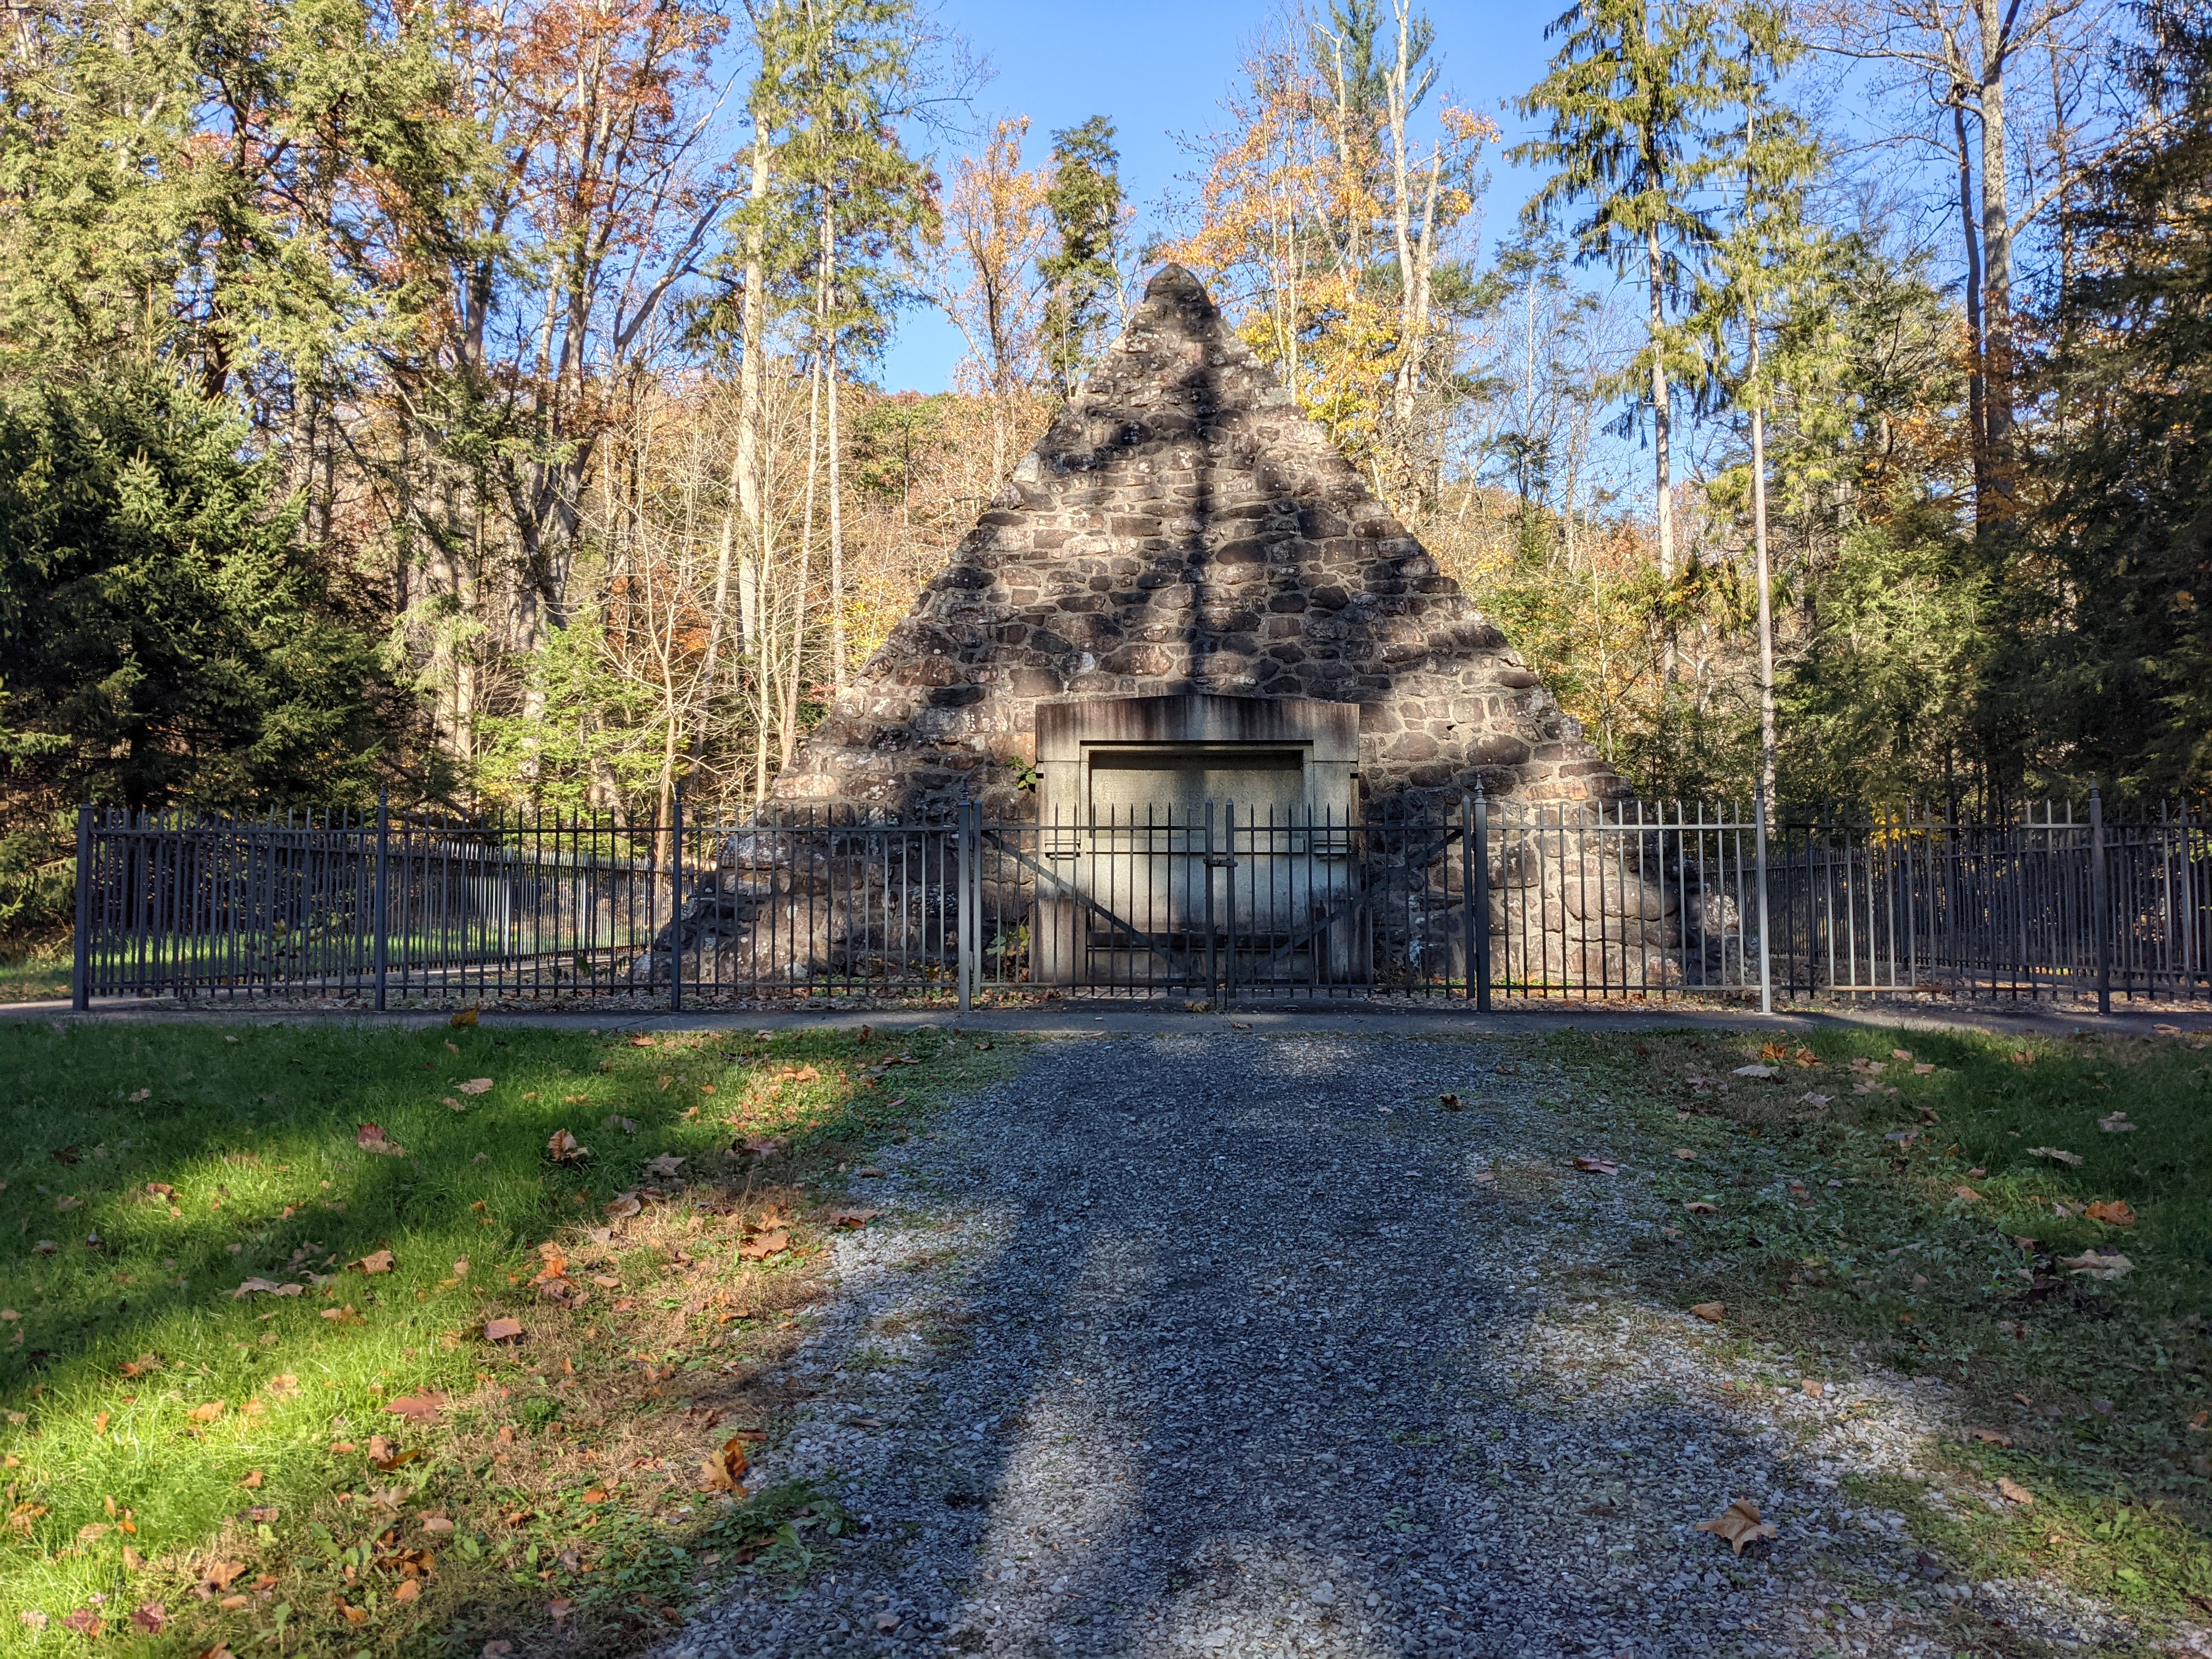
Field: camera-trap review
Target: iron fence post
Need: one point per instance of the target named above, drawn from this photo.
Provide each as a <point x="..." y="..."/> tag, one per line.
<point x="80" y="967"/>
<point x="1765" y="957"/>
<point x="676" y="907"/>
<point x="967" y="962"/>
<point x="380" y="907"/>
<point x="2101" y="921"/>
<point x="1205" y="868"/>
<point x="1482" y="897"/>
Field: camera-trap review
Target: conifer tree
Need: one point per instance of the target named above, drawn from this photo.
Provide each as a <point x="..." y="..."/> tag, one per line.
<point x="1082" y="273"/>
<point x="1627" y="95"/>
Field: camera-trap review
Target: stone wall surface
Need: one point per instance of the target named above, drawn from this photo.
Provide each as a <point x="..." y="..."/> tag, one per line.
<point x="1182" y="527"/>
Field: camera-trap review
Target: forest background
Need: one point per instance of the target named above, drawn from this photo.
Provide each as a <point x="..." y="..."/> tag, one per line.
<point x="481" y="403"/>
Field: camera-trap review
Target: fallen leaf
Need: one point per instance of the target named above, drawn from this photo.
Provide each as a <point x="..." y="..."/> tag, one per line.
<point x="623" y="1206"/>
<point x="370" y="1138"/>
<point x="1815" y="1100"/>
<point x="1597" y="1165"/>
<point x="2114" y="1212"/>
<point x="464" y="1019"/>
<point x="1712" y="1313"/>
<point x="2116" y="1123"/>
<point x="557" y="1611"/>
<point x="2098" y="1264"/>
<point x="666" y="1165"/>
<point x="283" y="1383"/>
<point x="641" y="1042"/>
<point x="762" y="1246"/>
<point x="260" y="1287"/>
<point x="851" y="1217"/>
<point x="345" y="1315"/>
<point x="1922" y="1069"/>
<point x="1815" y="1389"/>
<point x="2013" y="1491"/>
<point x="1967" y="1193"/>
<point x="1739" y="1524"/>
<point x="725" y="1470"/>
<point x="1757" y="1071"/>
<point x="377" y="1261"/>
<point x="418" y="1407"/>
<point x="1685" y="1152"/>
<point x="1990" y="1437"/>
<point x="140" y="1094"/>
<point x="562" y="1148"/>
<point x="160" y="1189"/>
<point x="1698" y="1206"/>
<point x="408" y="1591"/>
<point x="2022" y="1057"/>
<point x="474" y="1085"/>
<point x="763" y="1146"/>
<point x="461" y="1267"/>
<point x="222" y="1573"/>
<point x="1450" y="1103"/>
<point x="150" y="1617"/>
<point x="1900" y="1054"/>
<point x="206" y="1413"/>
<point x="1775" y="1052"/>
<point x="501" y="1330"/>
<point x="2070" y="1160"/>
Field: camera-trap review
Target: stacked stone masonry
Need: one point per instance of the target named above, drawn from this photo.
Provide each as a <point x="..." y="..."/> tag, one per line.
<point x="1182" y="527"/>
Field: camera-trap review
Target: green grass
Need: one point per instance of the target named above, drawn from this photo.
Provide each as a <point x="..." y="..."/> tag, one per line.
<point x="225" y="1478"/>
<point x="36" y="978"/>
<point x="2102" y="1388"/>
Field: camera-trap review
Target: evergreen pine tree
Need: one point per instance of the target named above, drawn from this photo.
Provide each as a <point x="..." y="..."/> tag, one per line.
<point x="1085" y="203"/>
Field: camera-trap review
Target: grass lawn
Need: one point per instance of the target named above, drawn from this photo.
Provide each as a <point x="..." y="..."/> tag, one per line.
<point x="40" y="977"/>
<point x="258" y="1394"/>
<point x="1951" y="1204"/>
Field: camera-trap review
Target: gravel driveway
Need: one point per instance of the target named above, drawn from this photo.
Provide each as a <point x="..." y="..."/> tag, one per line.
<point x="1217" y="1345"/>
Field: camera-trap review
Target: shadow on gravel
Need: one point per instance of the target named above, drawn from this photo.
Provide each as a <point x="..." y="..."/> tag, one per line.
<point x="1231" y="1379"/>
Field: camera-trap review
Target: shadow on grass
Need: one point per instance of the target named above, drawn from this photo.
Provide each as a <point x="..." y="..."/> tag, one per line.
<point x="255" y="1135"/>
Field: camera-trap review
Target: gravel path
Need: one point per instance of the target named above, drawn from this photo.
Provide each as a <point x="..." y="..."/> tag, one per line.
<point x="1223" y="1346"/>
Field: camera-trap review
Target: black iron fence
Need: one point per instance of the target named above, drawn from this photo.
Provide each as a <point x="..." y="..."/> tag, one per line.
<point x="1496" y="899"/>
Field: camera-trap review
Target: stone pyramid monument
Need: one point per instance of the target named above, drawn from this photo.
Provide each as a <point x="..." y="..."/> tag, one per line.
<point x="1183" y="529"/>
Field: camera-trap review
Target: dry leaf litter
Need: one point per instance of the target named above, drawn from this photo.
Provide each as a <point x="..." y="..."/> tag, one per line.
<point x="1222" y="1346"/>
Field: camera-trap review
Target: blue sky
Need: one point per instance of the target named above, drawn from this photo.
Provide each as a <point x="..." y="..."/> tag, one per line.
<point x="1159" y="68"/>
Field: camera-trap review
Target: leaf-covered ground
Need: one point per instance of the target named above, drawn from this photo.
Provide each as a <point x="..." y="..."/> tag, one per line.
<point x="246" y="1276"/>
<point x="2031" y="1220"/>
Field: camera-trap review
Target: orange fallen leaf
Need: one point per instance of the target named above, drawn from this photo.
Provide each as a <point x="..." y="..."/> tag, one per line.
<point x="563" y="1149"/>
<point x="762" y="1246"/>
<point x="1685" y="1152"/>
<point x="501" y="1330"/>
<point x="2013" y="1491"/>
<point x="852" y="1218"/>
<point x="345" y="1315"/>
<point x="223" y="1572"/>
<point x="595" y="1495"/>
<point x="1597" y="1166"/>
<point x="2114" y="1212"/>
<point x="1711" y="1312"/>
<point x="1990" y="1437"/>
<point x="726" y="1468"/>
<point x="376" y="1261"/>
<point x="206" y="1413"/>
<point x="418" y="1407"/>
<point x="1698" y="1207"/>
<point x="1967" y="1194"/>
<point x="408" y="1591"/>
<point x="641" y="1042"/>
<point x="252" y="1482"/>
<point x="1739" y="1524"/>
<point x="1812" y="1388"/>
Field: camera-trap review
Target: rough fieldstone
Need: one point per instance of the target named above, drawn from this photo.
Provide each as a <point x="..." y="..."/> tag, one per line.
<point x="1182" y="528"/>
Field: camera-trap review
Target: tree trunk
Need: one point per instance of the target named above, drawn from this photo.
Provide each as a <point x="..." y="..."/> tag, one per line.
<point x="790" y="733"/>
<point x="831" y="445"/>
<point x="1997" y="254"/>
<point x="1976" y="421"/>
<point x="1661" y="419"/>
<point x="751" y="383"/>
<point x="1765" y="579"/>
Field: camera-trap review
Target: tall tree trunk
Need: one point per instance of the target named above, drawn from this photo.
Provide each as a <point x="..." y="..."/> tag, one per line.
<point x="1765" y="570"/>
<point x="1662" y="428"/>
<point x="751" y="400"/>
<point x="790" y="733"/>
<point x="1997" y="253"/>
<point x="1976" y="357"/>
<point x="832" y="444"/>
